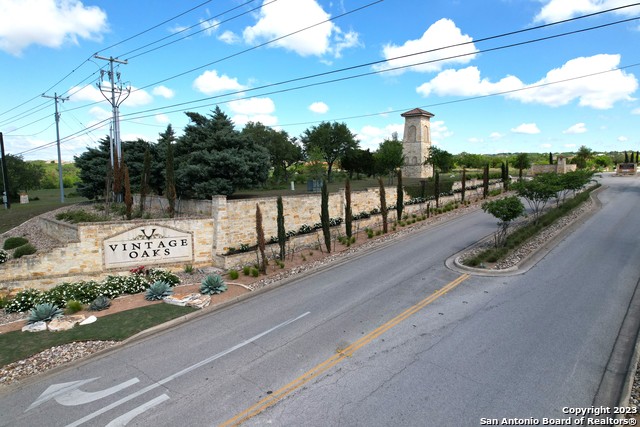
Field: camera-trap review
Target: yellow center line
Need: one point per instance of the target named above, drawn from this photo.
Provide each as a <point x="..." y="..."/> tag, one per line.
<point x="278" y="395"/>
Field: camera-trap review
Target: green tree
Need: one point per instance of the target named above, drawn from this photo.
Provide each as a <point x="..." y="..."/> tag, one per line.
<point x="22" y="176"/>
<point x="471" y="161"/>
<point x="521" y="162"/>
<point x="583" y="155"/>
<point x="399" y="196"/>
<point x="358" y="161"/>
<point x="93" y="167"/>
<point x="282" y="233"/>
<point x="436" y="187"/>
<point x="537" y="193"/>
<point x="324" y="215"/>
<point x="213" y="158"/>
<point x="505" y="210"/>
<point x="440" y="159"/>
<point x="331" y="141"/>
<point x="284" y="152"/>
<point x="389" y="157"/>
<point x="170" y="182"/>
<point x="485" y="182"/>
<point x="348" y="214"/>
<point x="463" y="188"/>
<point x="383" y="206"/>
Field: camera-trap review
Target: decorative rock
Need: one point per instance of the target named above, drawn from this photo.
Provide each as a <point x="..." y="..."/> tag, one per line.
<point x="64" y="323"/>
<point x="88" y="320"/>
<point x="189" y="300"/>
<point x="35" y="327"/>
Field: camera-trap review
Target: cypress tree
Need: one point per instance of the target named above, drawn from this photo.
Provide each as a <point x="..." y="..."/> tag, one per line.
<point x="507" y="179"/>
<point x="348" y="215"/>
<point x="146" y="172"/>
<point x="399" y="196"/>
<point x="282" y="234"/>
<point x="170" y="179"/>
<point x="436" y="188"/>
<point x="464" y="183"/>
<point x="128" y="198"/>
<point x="550" y="158"/>
<point x="324" y="215"/>
<point x="261" y="242"/>
<point x="383" y="205"/>
<point x="485" y="182"/>
<point x="626" y="157"/>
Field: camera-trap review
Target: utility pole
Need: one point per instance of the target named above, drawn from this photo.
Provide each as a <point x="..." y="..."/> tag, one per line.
<point x="5" y="175"/>
<point x="115" y="99"/>
<point x="55" y="97"/>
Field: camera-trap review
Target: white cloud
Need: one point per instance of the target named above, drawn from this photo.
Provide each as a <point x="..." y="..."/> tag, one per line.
<point x="439" y="131"/>
<point x="288" y="16"/>
<point x="163" y="91"/>
<point x="635" y="111"/>
<point x="209" y="26"/>
<point x="546" y="146"/>
<point x="370" y="137"/>
<point x="496" y="135"/>
<point x="441" y="34"/>
<point x="137" y="98"/>
<point x="100" y="113"/>
<point x="559" y="87"/>
<point x="466" y="82"/>
<point x="575" y="129"/>
<point x="526" y="128"/>
<point x="254" y="110"/>
<point x="570" y="145"/>
<point x="86" y="93"/>
<point x="162" y="118"/>
<point x="319" y="107"/>
<point x="209" y="83"/>
<point x="50" y="23"/>
<point x="557" y="10"/>
<point x="600" y="91"/>
<point x="622" y="138"/>
<point x="229" y="37"/>
<point x="475" y="140"/>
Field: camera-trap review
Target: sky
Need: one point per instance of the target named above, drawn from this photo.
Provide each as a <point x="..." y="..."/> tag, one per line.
<point x="500" y="76"/>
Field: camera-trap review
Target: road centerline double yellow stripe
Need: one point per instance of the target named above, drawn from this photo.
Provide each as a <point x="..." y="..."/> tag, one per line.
<point x="279" y="394"/>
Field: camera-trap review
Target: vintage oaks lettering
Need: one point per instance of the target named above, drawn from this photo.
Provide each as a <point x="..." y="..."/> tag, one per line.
<point x="150" y="244"/>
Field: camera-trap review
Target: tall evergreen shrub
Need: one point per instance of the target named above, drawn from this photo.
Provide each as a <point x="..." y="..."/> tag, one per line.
<point x="282" y="233"/>
<point x="261" y="241"/>
<point x="383" y="205"/>
<point x="400" y="196"/>
<point x="348" y="214"/>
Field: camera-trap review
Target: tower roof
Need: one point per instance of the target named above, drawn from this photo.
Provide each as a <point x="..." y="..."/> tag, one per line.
<point x="417" y="112"/>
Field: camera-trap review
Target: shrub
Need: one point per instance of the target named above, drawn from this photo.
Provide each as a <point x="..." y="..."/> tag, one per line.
<point x="255" y="272"/>
<point x="4" y="256"/>
<point x="233" y="274"/>
<point x="188" y="268"/>
<point x="157" y="291"/>
<point x="3" y="301"/>
<point x="73" y="306"/>
<point x="23" y="250"/>
<point x="100" y="303"/>
<point x="24" y="300"/>
<point x="14" y="242"/>
<point x="79" y="216"/>
<point x="213" y="284"/>
<point x="43" y="313"/>
<point x="246" y="270"/>
<point x="156" y="274"/>
<point x="84" y="292"/>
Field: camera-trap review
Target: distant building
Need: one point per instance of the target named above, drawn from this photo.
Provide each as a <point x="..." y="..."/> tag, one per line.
<point x="416" y="143"/>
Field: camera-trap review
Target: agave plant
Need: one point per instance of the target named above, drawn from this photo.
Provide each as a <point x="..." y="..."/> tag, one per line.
<point x="213" y="284"/>
<point x="158" y="290"/>
<point x="100" y="303"/>
<point x="43" y="313"/>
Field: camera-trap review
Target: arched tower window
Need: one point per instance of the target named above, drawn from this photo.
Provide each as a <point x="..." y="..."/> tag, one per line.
<point x="412" y="134"/>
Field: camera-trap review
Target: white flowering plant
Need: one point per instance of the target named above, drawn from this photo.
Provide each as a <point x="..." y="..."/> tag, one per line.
<point x="4" y="256"/>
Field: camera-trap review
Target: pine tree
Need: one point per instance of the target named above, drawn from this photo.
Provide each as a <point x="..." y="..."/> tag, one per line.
<point x="400" y="196"/>
<point x="383" y="205"/>
<point x="348" y="215"/>
<point x="324" y="215"/>
<point x="282" y="234"/>
<point x="261" y="242"/>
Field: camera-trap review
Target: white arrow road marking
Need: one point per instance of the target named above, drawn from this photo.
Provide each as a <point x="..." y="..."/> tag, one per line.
<point x="124" y="419"/>
<point x="68" y="394"/>
<point x="182" y="372"/>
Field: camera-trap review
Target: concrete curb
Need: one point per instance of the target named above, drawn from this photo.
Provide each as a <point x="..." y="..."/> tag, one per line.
<point x="453" y="262"/>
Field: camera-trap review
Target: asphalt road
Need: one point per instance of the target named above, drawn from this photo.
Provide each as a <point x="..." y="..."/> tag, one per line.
<point x="390" y="338"/>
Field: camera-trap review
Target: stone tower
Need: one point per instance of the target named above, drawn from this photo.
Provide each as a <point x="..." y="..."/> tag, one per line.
<point x="416" y="143"/>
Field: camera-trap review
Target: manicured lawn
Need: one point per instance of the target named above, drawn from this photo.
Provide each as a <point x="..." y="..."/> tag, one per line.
<point x="115" y="327"/>
<point x="47" y="200"/>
